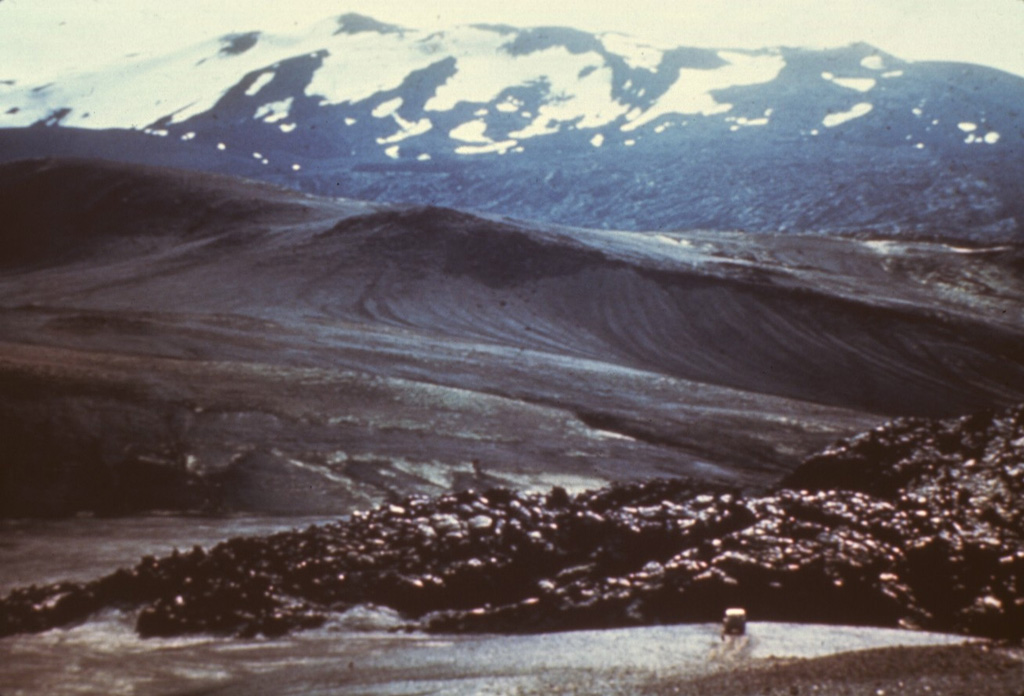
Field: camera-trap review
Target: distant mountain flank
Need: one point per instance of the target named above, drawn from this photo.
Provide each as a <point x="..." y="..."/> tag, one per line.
<point x="187" y="341"/>
<point x="558" y="124"/>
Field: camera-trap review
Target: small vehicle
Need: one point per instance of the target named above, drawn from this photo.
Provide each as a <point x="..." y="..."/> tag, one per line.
<point x="734" y="623"/>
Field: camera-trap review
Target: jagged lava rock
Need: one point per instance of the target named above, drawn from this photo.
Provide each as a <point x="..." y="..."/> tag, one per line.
<point x="916" y="523"/>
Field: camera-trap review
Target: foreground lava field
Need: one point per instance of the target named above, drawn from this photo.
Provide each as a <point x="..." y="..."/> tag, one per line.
<point x="916" y="524"/>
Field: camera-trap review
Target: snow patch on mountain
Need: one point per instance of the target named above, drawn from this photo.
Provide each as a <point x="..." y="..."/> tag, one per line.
<point x="743" y="121"/>
<point x="990" y="138"/>
<point x="388" y="108"/>
<point x="262" y="81"/>
<point x="274" y="111"/>
<point x="637" y="54"/>
<point x="470" y="132"/>
<point x="346" y="75"/>
<point x="138" y="91"/>
<point x="859" y="84"/>
<point x="135" y="95"/>
<point x="577" y="86"/>
<point x="691" y="93"/>
<point x="539" y="126"/>
<point x="836" y="119"/>
<point x="589" y="105"/>
<point x="873" y="62"/>
<point x="406" y="130"/>
<point x="474" y="133"/>
<point x="489" y="148"/>
<point x="509" y="106"/>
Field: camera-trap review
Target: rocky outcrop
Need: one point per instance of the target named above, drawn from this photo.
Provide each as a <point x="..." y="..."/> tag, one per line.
<point x="917" y="523"/>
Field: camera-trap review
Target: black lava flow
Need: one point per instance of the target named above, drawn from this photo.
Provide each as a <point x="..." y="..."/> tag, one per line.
<point x="917" y="523"/>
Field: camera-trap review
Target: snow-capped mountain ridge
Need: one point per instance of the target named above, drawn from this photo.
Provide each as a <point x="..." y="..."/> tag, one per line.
<point x="539" y="81"/>
<point x="353" y="106"/>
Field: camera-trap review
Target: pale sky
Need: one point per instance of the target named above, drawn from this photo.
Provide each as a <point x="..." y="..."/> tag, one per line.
<point x="79" y="33"/>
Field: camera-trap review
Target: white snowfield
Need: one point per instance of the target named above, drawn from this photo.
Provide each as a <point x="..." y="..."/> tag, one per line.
<point x="149" y="91"/>
<point x="138" y="91"/>
<point x="691" y="92"/>
<point x="637" y="54"/>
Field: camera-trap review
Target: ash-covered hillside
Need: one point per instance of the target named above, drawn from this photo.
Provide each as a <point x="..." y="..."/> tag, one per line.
<point x="195" y="342"/>
<point x="559" y="125"/>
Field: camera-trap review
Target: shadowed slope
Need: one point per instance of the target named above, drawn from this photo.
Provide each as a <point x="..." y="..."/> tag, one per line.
<point x="55" y="213"/>
<point x="493" y="347"/>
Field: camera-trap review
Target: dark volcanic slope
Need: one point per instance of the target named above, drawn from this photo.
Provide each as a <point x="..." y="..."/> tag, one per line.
<point x="261" y="349"/>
